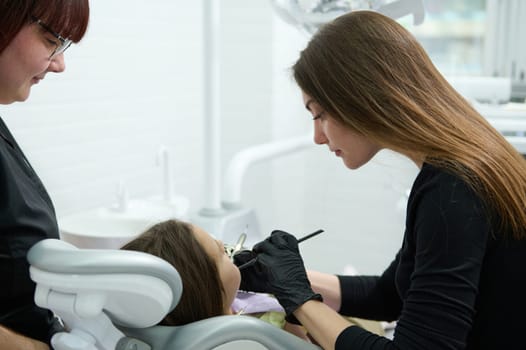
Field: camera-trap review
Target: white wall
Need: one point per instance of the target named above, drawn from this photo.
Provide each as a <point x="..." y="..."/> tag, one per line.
<point x="136" y="82"/>
<point x="133" y="84"/>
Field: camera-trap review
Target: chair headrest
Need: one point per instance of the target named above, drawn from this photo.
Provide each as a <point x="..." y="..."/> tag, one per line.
<point x="56" y="256"/>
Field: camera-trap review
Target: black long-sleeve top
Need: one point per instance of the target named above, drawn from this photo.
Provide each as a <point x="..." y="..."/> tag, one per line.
<point x="456" y="283"/>
<point x="26" y="217"/>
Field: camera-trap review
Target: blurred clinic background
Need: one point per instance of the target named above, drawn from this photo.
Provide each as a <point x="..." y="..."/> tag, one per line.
<point x="127" y="126"/>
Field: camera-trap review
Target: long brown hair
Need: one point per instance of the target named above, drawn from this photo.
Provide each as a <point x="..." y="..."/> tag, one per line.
<point x="371" y="74"/>
<point x="174" y="241"/>
<point x="69" y="18"/>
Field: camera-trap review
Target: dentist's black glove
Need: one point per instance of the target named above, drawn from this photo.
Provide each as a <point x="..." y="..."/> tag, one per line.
<point x="253" y="277"/>
<point x="279" y="257"/>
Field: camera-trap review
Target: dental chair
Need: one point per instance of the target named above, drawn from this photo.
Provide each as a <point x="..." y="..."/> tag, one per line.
<point x="113" y="300"/>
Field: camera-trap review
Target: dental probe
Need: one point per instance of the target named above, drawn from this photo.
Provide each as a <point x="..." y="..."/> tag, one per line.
<point x="304" y="238"/>
<point x="310" y="235"/>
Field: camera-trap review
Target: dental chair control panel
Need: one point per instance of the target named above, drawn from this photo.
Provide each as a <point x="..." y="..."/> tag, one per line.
<point x="114" y="299"/>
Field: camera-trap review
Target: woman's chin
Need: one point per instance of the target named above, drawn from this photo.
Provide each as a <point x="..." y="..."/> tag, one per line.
<point x="352" y="166"/>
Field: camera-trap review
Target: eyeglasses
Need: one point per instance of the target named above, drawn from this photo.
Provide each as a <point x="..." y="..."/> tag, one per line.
<point x="62" y="44"/>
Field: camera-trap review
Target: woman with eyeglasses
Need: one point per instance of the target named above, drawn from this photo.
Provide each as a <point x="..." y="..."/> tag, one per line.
<point x="33" y="37"/>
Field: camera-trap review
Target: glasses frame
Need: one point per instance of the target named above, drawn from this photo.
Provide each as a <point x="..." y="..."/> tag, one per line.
<point x="64" y="42"/>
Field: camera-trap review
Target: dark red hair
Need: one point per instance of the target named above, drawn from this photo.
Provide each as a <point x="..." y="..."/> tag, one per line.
<point x="69" y="18"/>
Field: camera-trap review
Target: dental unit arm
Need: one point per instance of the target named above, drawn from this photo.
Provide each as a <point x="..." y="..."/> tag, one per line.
<point x="114" y="299"/>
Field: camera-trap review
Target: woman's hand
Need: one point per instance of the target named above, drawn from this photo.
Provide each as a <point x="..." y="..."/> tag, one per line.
<point x="253" y="278"/>
<point x="279" y="259"/>
<point x="279" y="270"/>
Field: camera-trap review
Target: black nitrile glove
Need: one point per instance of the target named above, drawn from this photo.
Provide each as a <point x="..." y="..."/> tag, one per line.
<point x="253" y="278"/>
<point x="279" y="256"/>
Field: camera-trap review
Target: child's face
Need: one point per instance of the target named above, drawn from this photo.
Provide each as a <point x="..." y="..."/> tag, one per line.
<point x="228" y="272"/>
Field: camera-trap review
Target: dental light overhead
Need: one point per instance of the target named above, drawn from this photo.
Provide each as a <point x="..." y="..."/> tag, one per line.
<point x="309" y="15"/>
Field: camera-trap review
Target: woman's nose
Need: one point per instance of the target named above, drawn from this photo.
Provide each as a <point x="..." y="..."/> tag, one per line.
<point x="57" y="64"/>
<point x="319" y="136"/>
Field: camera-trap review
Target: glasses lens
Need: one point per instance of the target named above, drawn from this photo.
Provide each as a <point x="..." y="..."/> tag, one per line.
<point x="64" y="45"/>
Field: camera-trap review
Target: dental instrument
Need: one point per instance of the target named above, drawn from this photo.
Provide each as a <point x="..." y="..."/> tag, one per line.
<point x="240" y="242"/>
<point x="309" y="236"/>
<point x="232" y="250"/>
<point x="304" y="238"/>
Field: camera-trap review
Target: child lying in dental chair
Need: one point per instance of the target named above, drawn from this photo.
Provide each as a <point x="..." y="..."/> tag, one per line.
<point x="210" y="278"/>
